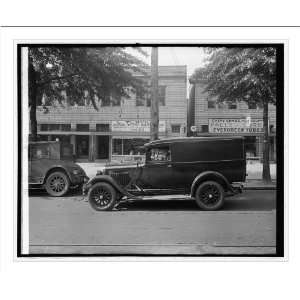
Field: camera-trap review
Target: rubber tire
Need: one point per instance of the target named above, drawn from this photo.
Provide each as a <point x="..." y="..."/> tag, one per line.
<point x="109" y="188"/>
<point x="65" y="178"/>
<point x="220" y="202"/>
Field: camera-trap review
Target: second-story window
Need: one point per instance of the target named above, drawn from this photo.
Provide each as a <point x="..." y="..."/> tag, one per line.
<point x="211" y="104"/>
<point x="252" y="105"/>
<point x="232" y="105"/>
<point x="175" y="128"/>
<point x="145" y="100"/>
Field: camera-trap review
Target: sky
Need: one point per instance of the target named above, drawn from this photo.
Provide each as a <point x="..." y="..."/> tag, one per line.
<point x="192" y="57"/>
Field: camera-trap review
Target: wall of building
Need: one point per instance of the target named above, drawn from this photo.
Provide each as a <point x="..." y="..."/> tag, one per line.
<point x="199" y="115"/>
<point x="174" y="112"/>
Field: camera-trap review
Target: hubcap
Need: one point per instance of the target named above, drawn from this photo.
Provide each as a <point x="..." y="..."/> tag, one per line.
<point x="57" y="184"/>
<point x="210" y="195"/>
<point x="101" y="197"/>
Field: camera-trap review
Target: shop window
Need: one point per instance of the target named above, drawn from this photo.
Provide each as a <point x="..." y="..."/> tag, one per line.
<point x="117" y="147"/>
<point x="102" y="127"/>
<point x="175" y="128"/>
<point x="82" y="127"/>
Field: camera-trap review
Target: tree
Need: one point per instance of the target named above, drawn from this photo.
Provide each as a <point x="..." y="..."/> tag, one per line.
<point x="243" y="74"/>
<point x="69" y="75"/>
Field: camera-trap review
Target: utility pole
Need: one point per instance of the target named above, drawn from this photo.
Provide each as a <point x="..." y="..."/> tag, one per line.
<point x="154" y="95"/>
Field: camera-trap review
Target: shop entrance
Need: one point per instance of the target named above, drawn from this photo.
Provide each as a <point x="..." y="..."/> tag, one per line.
<point x="102" y="148"/>
<point x="82" y="146"/>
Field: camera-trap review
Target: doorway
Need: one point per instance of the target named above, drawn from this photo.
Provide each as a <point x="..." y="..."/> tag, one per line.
<point x="102" y="147"/>
<point x="82" y="146"/>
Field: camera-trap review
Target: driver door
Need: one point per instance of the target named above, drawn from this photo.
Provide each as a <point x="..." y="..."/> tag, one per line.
<point x="157" y="171"/>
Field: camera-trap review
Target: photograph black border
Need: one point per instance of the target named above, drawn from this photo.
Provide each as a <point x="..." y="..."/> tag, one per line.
<point x="280" y="48"/>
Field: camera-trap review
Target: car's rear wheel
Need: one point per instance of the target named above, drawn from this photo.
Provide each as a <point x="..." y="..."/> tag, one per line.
<point x="57" y="184"/>
<point x="210" y="195"/>
<point x="102" y="196"/>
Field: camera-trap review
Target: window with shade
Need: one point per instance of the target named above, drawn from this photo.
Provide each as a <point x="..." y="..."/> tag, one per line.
<point x="145" y="99"/>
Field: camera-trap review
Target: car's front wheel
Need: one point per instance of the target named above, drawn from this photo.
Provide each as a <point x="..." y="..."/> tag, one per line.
<point x="102" y="196"/>
<point x="210" y="195"/>
<point x="57" y="184"/>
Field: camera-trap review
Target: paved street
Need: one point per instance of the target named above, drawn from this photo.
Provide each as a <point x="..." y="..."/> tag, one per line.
<point x="246" y="225"/>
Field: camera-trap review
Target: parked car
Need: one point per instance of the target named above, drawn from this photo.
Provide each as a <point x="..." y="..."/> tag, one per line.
<point x="51" y="167"/>
<point x="203" y="167"/>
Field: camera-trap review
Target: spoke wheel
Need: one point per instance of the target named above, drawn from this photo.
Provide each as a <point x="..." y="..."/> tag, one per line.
<point x="210" y="195"/>
<point x="102" y="196"/>
<point x="57" y="184"/>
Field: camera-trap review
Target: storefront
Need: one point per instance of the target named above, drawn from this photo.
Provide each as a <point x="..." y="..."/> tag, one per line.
<point x="117" y="141"/>
<point x="128" y="138"/>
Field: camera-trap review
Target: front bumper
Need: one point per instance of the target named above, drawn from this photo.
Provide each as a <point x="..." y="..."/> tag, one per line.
<point x="79" y="179"/>
<point x="85" y="188"/>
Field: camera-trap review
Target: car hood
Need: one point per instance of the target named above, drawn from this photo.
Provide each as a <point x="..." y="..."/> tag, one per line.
<point x="118" y="168"/>
<point x="68" y="165"/>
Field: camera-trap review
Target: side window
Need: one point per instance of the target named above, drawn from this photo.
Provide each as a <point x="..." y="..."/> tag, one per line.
<point x="40" y="151"/>
<point x="159" y="155"/>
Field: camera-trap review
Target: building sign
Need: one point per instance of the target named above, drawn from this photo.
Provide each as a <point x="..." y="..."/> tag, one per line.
<point x="136" y="126"/>
<point x="238" y="126"/>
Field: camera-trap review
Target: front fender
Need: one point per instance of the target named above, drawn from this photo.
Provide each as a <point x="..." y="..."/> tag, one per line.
<point x="111" y="181"/>
<point x="210" y="175"/>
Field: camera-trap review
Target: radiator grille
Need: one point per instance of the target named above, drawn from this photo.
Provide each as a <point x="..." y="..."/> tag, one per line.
<point x="122" y="178"/>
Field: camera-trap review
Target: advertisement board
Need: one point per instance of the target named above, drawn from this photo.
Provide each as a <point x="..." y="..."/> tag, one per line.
<point x="136" y="126"/>
<point x="235" y="126"/>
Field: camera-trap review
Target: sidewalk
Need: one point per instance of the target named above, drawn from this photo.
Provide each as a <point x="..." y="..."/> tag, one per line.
<point x="253" y="169"/>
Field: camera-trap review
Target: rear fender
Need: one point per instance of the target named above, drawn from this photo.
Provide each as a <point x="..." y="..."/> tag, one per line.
<point x="56" y="168"/>
<point x="108" y="179"/>
<point x="213" y="176"/>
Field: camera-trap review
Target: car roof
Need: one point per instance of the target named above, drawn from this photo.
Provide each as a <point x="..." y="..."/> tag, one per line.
<point x="190" y="139"/>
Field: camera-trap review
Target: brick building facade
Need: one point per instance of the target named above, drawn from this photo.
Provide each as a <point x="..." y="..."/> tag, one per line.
<point x="237" y="118"/>
<point x="114" y="131"/>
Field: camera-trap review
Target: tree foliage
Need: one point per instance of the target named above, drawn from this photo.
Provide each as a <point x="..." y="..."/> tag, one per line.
<point x="95" y="74"/>
<point x="240" y="74"/>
